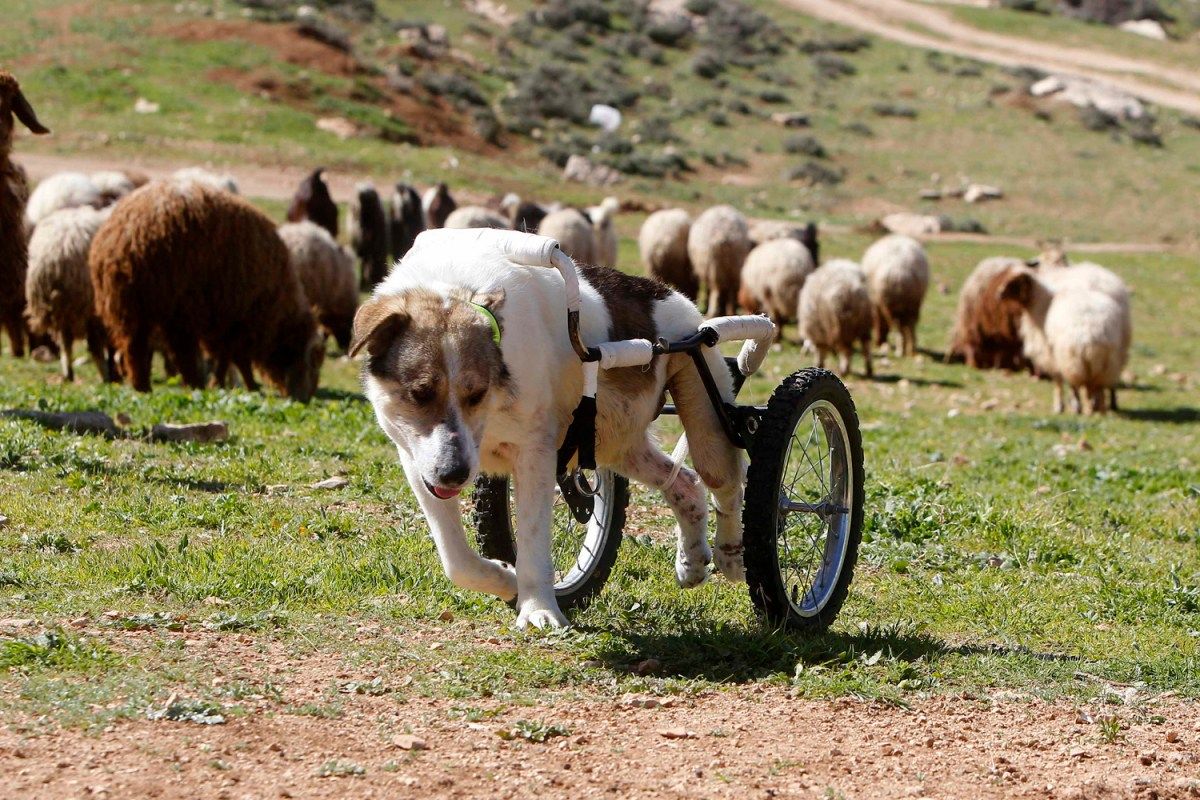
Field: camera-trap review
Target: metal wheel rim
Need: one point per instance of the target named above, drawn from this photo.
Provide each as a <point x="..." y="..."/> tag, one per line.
<point x="575" y="551"/>
<point x="810" y="566"/>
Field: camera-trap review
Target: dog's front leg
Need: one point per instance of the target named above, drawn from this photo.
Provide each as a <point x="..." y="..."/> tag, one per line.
<point x="463" y="566"/>
<point x="534" y="478"/>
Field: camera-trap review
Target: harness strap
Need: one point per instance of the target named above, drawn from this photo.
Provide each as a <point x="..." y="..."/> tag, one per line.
<point x="491" y="318"/>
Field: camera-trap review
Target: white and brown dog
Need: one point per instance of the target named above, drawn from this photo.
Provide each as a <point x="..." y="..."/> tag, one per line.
<point x="456" y="403"/>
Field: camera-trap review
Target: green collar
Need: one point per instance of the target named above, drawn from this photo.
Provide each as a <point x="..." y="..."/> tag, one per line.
<point x="491" y="318"/>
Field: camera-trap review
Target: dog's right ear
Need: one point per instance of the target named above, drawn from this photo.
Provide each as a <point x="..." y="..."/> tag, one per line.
<point x="376" y="325"/>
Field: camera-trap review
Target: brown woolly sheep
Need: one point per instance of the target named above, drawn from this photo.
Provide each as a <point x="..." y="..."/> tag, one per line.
<point x="897" y="278"/>
<point x="369" y="234"/>
<point x="207" y="270"/>
<point x="406" y="219"/>
<point x="14" y="190"/>
<point x="717" y="245"/>
<point x="987" y="333"/>
<point x="835" y="313"/>
<point x="662" y="243"/>
<point x="326" y="272"/>
<point x="312" y="201"/>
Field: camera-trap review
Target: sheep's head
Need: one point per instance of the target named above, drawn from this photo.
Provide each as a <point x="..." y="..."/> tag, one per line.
<point x="294" y="366"/>
<point x="1016" y="285"/>
<point x="748" y="301"/>
<point x="13" y="103"/>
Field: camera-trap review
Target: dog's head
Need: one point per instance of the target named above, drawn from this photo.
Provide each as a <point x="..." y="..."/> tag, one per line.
<point x="433" y="372"/>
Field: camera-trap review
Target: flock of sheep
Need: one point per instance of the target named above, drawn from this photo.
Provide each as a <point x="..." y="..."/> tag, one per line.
<point x="185" y="267"/>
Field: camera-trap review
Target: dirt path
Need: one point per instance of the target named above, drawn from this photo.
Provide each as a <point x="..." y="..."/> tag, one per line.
<point x="933" y="28"/>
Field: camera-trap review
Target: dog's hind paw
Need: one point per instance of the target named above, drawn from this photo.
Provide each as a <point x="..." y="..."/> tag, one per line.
<point x="540" y="615"/>
<point x="691" y="565"/>
<point x="730" y="562"/>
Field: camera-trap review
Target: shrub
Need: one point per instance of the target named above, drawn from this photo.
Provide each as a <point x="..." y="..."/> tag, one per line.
<point x="739" y="106"/>
<point x="486" y="124"/>
<point x="708" y="64"/>
<point x="772" y="96"/>
<point x="718" y="119"/>
<point x="804" y="145"/>
<point x="1094" y="119"/>
<point x="551" y="91"/>
<point x="700" y="8"/>
<point x="656" y="130"/>
<point x="560" y="14"/>
<point x="888" y="109"/>
<point x="832" y="67"/>
<point x="960" y="224"/>
<point x="1142" y="131"/>
<point x="452" y="85"/>
<point x="860" y="128"/>
<point x="813" y="173"/>
<point x="847" y="44"/>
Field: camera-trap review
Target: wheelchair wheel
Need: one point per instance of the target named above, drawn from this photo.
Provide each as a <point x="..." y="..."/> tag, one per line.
<point x="804" y="502"/>
<point x="583" y="554"/>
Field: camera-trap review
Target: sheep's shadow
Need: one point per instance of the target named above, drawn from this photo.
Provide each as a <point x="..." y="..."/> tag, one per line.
<point x="326" y="393"/>
<point x="740" y="655"/>
<point x="1180" y="415"/>
<point x="894" y="378"/>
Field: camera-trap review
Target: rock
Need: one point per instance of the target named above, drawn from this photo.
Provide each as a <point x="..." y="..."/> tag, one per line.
<point x="592" y="663"/>
<point x="446" y="616"/>
<point x="437" y="34"/>
<point x="1147" y="758"/>
<point x="144" y="106"/>
<point x="338" y="126"/>
<point x="215" y="431"/>
<point x="647" y="667"/>
<point x="790" y="119"/>
<point x="605" y="117"/>
<point x="930" y="194"/>
<point x="3" y="521"/>
<point x="406" y="741"/>
<point x="73" y="421"/>
<point x="213" y="600"/>
<point x="1081" y="93"/>
<point x="334" y="482"/>
<point x="1080" y="753"/>
<point x="581" y="170"/>
<point x="1149" y="28"/>
<point x="677" y="733"/>
<point x="276" y="488"/>
<point x="909" y="224"/>
<point x="1172" y="736"/>
<point x="978" y="192"/>
<point x="17" y="622"/>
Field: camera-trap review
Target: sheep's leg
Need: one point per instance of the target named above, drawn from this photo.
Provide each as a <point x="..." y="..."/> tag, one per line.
<point x="1112" y="399"/>
<point x="778" y="320"/>
<point x="1076" y="402"/>
<point x="844" y="361"/>
<point x="866" y="359"/>
<point x="246" y="371"/>
<point x="97" y="345"/>
<point x="220" y="374"/>
<point x="1099" y="400"/>
<point x="186" y="354"/>
<point x="16" y="336"/>
<point x="910" y="340"/>
<point x="1059" y="407"/>
<point x="64" y="356"/>
<point x="821" y="358"/>
<point x="136" y="356"/>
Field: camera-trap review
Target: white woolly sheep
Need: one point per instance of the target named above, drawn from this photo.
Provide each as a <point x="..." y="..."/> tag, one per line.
<point x="59" y="191"/>
<point x="475" y="217"/>
<point x="764" y="230"/>
<point x="772" y="277"/>
<point x="604" y="231"/>
<point x="897" y="273"/>
<point x="326" y="271"/>
<point x="1080" y="336"/>
<point x="663" y="245"/>
<point x="58" y="286"/>
<point x="112" y="185"/>
<point x="717" y="245"/>
<point x="571" y="228"/>
<point x="835" y="313"/>
<point x="224" y="182"/>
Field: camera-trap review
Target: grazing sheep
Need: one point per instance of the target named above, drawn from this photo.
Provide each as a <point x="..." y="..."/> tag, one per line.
<point x="764" y="230"/>
<point x="14" y="189"/>
<point x="207" y="270"/>
<point x="897" y="278"/>
<point x="986" y="331"/>
<point x="225" y="182"/>
<point x="437" y="204"/>
<point x="112" y="185"/>
<point x="573" y="231"/>
<point x="604" y="231"/>
<point x="58" y="287"/>
<point x="59" y="191"/>
<point x="523" y="215"/>
<point x="326" y="272"/>
<point x="717" y="245"/>
<point x="772" y="278"/>
<point x="312" y="201"/>
<point x="475" y="217"/>
<point x="835" y="312"/>
<point x="368" y="223"/>
<point x="407" y="218"/>
<point x="663" y="245"/>
<point x="1079" y="336"/>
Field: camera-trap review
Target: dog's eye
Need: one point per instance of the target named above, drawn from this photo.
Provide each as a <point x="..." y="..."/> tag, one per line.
<point x="475" y="398"/>
<point x="425" y="393"/>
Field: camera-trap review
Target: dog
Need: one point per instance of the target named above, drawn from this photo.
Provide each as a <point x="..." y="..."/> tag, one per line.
<point x="470" y="369"/>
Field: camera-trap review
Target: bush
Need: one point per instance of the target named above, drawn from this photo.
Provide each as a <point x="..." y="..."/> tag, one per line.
<point x="860" y="128"/>
<point x="718" y="119"/>
<point x="1142" y="131"/>
<point x="739" y="106"/>
<point x="804" y="145"/>
<point x="833" y="67"/>
<point x="1094" y="119"/>
<point x="452" y="85"/>
<point x="551" y="91"/>
<point x="486" y="124"/>
<point x="700" y="8"/>
<point x="656" y="130"/>
<point x="708" y="64"/>
<point x="561" y="14"/>
<point x="960" y="224"/>
<point x="772" y="96"/>
<point x="813" y="173"/>
<point x="848" y="44"/>
<point x="887" y="109"/>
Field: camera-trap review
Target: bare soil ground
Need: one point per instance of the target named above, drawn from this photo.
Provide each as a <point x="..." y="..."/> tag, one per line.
<point x="745" y="742"/>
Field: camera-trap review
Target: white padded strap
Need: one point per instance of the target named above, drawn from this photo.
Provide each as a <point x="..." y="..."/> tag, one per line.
<point x="591" y="375"/>
<point x="752" y="354"/>
<point x="628" y="353"/>
<point x="677" y="456"/>
<point x="736" y="329"/>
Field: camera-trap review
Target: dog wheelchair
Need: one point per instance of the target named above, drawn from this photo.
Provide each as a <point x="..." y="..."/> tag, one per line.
<point x="803" y="508"/>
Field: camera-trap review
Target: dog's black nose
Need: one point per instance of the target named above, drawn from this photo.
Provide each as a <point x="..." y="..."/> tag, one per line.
<point x="455" y="474"/>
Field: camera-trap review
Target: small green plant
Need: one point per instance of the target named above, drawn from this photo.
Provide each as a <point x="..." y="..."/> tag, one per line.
<point x="341" y="769"/>
<point x="532" y="731"/>
<point x="54" y="648"/>
<point x="1110" y="729"/>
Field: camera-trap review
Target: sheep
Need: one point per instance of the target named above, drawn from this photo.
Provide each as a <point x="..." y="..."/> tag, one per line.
<point x="112" y="185"/>
<point x="986" y="332"/>
<point x="437" y="205"/>
<point x="369" y="234"/>
<point x="897" y="273"/>
<point x="764" y="230"/>
<point x="663" y="246"/>
<point x="573" y="231"/>
<point x="312" y="201"/>
<point x="1078" y="335"/>
<point x="523" y="215"/>
<point x="604" y="231"/>
<point x="717" y="245"/>
<point x="58" y="287"/>
<point x="835" y="312"/>
<point x="59" y="191"/>
<point x="772" y="277"/>
<point x="14" y="189"/>
<point x="475" y="217"/>
<point x="326" y="272"/>
<point x="207" y="270"/>
<point x="224" y="181"/>
<point x="407" y="219"/>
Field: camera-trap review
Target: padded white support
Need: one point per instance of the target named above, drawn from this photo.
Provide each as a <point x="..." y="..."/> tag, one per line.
<point x="591" y="378"/>
<point x="628" y="353"/>
<point x="752" y="354"/>
<point x="736" y="329"/>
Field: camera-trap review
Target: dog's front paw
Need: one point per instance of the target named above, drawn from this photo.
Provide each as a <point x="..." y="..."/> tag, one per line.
<point x="540" y="614"/>
<point x="691" y="564"/>
<point x="730" y="562"/>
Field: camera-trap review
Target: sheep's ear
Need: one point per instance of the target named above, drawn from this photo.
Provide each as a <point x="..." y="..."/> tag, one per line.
<point x="1018" y="288"/>
<point x="492" y="301"/>
<point x="377" y="324"/>
<point x="1033" y="262"/>
<point x="25" y="113"/>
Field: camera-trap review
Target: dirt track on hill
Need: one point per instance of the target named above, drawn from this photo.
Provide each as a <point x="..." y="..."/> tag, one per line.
<point x="933" y="28"/>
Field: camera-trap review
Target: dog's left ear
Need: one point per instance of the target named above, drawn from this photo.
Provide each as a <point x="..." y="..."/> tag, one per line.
<point x="377" y="323"/>
<point x="492" y="300"/>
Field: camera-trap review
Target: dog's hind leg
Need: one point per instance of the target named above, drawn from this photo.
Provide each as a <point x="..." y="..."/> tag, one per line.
<point x="684" y="494"/>
<point x="720" y="464"/>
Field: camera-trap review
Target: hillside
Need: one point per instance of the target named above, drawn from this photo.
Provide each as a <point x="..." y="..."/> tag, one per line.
<point x="501" y="100"/>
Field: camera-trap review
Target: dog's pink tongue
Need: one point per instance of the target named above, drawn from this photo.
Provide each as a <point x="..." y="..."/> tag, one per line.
<point x="446" y="494"/>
